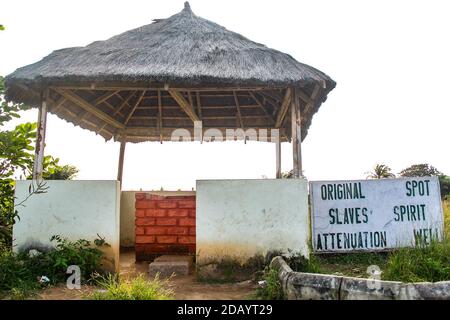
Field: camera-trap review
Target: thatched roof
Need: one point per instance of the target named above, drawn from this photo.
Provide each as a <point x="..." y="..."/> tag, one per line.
<point x="184" y="52"/>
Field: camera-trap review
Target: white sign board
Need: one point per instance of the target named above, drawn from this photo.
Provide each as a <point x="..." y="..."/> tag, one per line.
<point x="374" y="215"/>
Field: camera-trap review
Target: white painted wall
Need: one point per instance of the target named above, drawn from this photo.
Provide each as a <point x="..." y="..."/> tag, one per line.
<point x="240" y="218"/>
<point x="127" y="216"/>
<point x="73" y="209"/>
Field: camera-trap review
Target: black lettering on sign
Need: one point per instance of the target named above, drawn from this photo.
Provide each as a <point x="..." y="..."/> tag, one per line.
<point x="348" y="216"/>
<point x="351" y="241"/>
<point x="425" y="236"/>
<point x="411" y="212"/>
<point x="341" y="191"/>
<point x="417" y="188"/>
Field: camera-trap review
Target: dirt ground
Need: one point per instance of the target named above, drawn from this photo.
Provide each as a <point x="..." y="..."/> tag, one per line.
<point x="185" y="287"/>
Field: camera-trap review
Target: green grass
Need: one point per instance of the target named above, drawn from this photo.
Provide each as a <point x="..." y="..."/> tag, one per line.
<point x="349" y="264"/>
<point x="272" y="289"/>
<point x="138" y="288"/>
<point x="422" y="263"/>
<point x="428" y="263"/>
<point x="446" y="206"/>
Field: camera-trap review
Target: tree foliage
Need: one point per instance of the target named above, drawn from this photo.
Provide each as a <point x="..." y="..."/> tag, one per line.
<point x="427" y="170"/>
<point x="16" y="161"/>
<point x="8" y="110"/>
<point x="380" y="171"/>
<point x="420" y="170"/>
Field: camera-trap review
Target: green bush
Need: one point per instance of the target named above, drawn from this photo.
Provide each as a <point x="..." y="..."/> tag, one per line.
<point x="271" y="290"/>
<point x="19" y="272"/>
<point x="300" y="264"/>
<point x="115" y="288"/>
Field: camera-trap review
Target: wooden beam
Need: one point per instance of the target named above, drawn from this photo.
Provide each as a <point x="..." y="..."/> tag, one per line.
<point x="121" y="159"/>
<point x="178" y="97"/>
<point x="160" y="117"/>
<point x="104" y="97"/>
<point x="273" y="95"/>
<point x="125" y="102"/>
<point x="96" y="102"/>
<point x="312" y="99"/>
<point x="270" y="99"/>
<point x="69" y="95"/>
<point x="40" y="138"/>
<point x="199" y="105"/>
<point x="58" y="104"/>
<point x="283" y="108"/>
<point x="133" y="109"/>
<point x="152" y="133"/>
<point x="278" y="157"/>
<point x="238" y="109"/>
<point x="296" y="134"/>
<point x="272" y="120"/>
<point x="304" y="97"/>
<point x="146" y="86"/>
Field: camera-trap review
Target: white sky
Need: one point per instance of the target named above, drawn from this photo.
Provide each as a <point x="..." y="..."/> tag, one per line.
<point x="390" y="59"/>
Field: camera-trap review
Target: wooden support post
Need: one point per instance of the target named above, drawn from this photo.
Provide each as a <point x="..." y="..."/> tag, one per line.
<point x="121" y="158"/>
<point x="296" y="134"/>
<point x="160" y="117"/>
<point x="40" y="138"/>
<point x="278" y="157"/>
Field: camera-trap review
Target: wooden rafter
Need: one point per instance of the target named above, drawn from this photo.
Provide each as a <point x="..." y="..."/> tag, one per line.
<point x="133" y="109"/>
<point x="260" y="104"/>
<point x="124" y="103"/>
<point x="270" y="99"/>
<point x="104" y="97"/>
<point x="99" y="100"/>
<point x="273" y="95"/>
<point x="311" y="100"/>
<point x="58" y="104"/>
<point x="70" y="95"/>
<point x="283" y="108"/>
<point x="184" y="104"/>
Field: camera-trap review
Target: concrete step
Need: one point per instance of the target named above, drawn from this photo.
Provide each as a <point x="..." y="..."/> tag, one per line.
<point x="166" y="265"/>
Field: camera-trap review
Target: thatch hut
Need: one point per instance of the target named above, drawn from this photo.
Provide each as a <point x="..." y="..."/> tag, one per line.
<point x="144" y="83"/>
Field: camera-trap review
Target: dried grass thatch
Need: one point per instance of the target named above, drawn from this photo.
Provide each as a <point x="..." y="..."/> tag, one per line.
<point x="183" y="51"/>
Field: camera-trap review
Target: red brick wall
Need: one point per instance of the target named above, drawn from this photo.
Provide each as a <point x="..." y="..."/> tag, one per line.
<point x="164" y="225"/>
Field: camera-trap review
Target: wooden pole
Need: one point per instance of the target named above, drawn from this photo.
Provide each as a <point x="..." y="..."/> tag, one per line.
<point x="121" y="158"/>
<point x="278" y="157"/>
<point x="296" y="134"/>
<point x="40" y="138"/>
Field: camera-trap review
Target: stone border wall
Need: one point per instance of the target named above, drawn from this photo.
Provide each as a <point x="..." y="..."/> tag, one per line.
<point x="311" y="286"/>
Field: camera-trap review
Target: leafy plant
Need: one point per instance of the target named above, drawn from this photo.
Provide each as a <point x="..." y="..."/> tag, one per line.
<point x="299" y="263"/>
<point x="19" y="271"/>
<point x="271" y="288"/>
<point x="8" y="110"/>
<point x="139" y="288"/>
